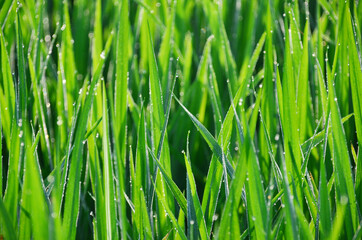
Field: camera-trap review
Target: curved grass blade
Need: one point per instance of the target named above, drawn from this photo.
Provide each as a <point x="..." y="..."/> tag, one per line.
<point x="342" y="167"/>
<point x="33" y="193"/>
<point x="214" y="146"/>
<point x="193" y="202"/>
<point x="172" y="185"/>
<point x="214" y="175"/>
<point x="157" y="123"/>
<point x="9" y="232"/>
<point x="72" y="194"/>
<point x="170" y="213"/>
<point x="237" y="181"/>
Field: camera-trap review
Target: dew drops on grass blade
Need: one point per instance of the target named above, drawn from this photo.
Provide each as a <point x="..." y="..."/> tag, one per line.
<point x="157" y="122"/>
<point x="22" y="86"/>
<point x="120" y="105"/>
<point x="8" y="91"/>
<point x="108" y="174"/>
<point x="68" y="62"/>
<point x="93" y="130"/>
<point x="193" y="202"/>
<point x="344" y="183"/>
<point x="72" y="192"/>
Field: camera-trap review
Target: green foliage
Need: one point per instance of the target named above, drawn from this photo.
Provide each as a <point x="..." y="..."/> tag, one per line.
<point x="145" y="119"/>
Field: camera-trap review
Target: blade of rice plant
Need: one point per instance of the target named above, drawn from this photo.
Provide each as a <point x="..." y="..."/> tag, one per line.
<point x="215" y="169"/>
<point x="255" y="187"/>
<point x="97" y="47"/>
<point x="71" y="203"/>
<point x="181" y="222"/>
<point x="237" y="181"/>
<point x="9" y="232"/>
<point x="342" y="167"/>
<point x="302" y="86"/>
<point x="39" y="108"/>
<point x="324" y="203"/>
<point x="108" y="175"/>
<point x="214" y="146"/>
<point x="22" y="86"/>
<point x="316" y="139"/>
<point x="8" y="105"/>
<point x="355" y="69"/>
<point x="215" y="99"/>
<point x="227" y="54"/>
<point x="276" y="170"/>
<point x="96" y="181"/>
<point x="247" y="70"/>
<point x="268" y="107"/>
<point x="292" y="228"/>
<point x="62" y="126"/>
<point x="17" y="134"/>
<point x="145" y="217"/>
<point x="157" y="122"/>
<point x="120" y="106"/>
<point x="166" y="51"/>
<point x="193" y="202"/>
<point x="170" y="213"/>
<point x="142" y="177"/>
<point x="339" y="219"/>
<point x="172" y="185"/>
<point x="68" y="62"/>
<point x="167" y="115"/>
<point x="186" y="71"/>
<point x="4" y="12"/>
<point x="290" y="133"/>
<point x="142" y="161"/>
<point x="201" y="80"/>
<point x="34" y="192"/>
<point x="358" y="233"/>
<point x="93" y="128"/>
<point x="136" y="215"/>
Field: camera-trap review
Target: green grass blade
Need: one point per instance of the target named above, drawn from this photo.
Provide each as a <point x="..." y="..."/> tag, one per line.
<point x="108" y="175"/>
<point x="120" y="106"/>
<point x="172" y="185"/>
<point x="68" y="63"/>
<point x="342" y="167"/>
<point x="237" y="181"/>
<point x="302" y="87"/>
<point x="22" y="86"/>
<point x="355" y="69"/>
<point x="193" y="201"/>
<point x="9" y="232"/>
<point x="39" y="210"/>
<point x="8" y="106"/>
<point x="214" y="146"/>
<point x="97" y="47"/>
<point x="170" y="214"/>
<point x="324" y="203"/>
<point x="166" y="50"/>
<point x="358" y="233"/>
<point x="339" y="220"/>
<point x="157" y="123"/>
<point x="71" y="204"/>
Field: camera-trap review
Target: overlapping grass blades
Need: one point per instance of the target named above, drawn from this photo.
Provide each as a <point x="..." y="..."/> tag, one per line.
<point x="180" y="119"/>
